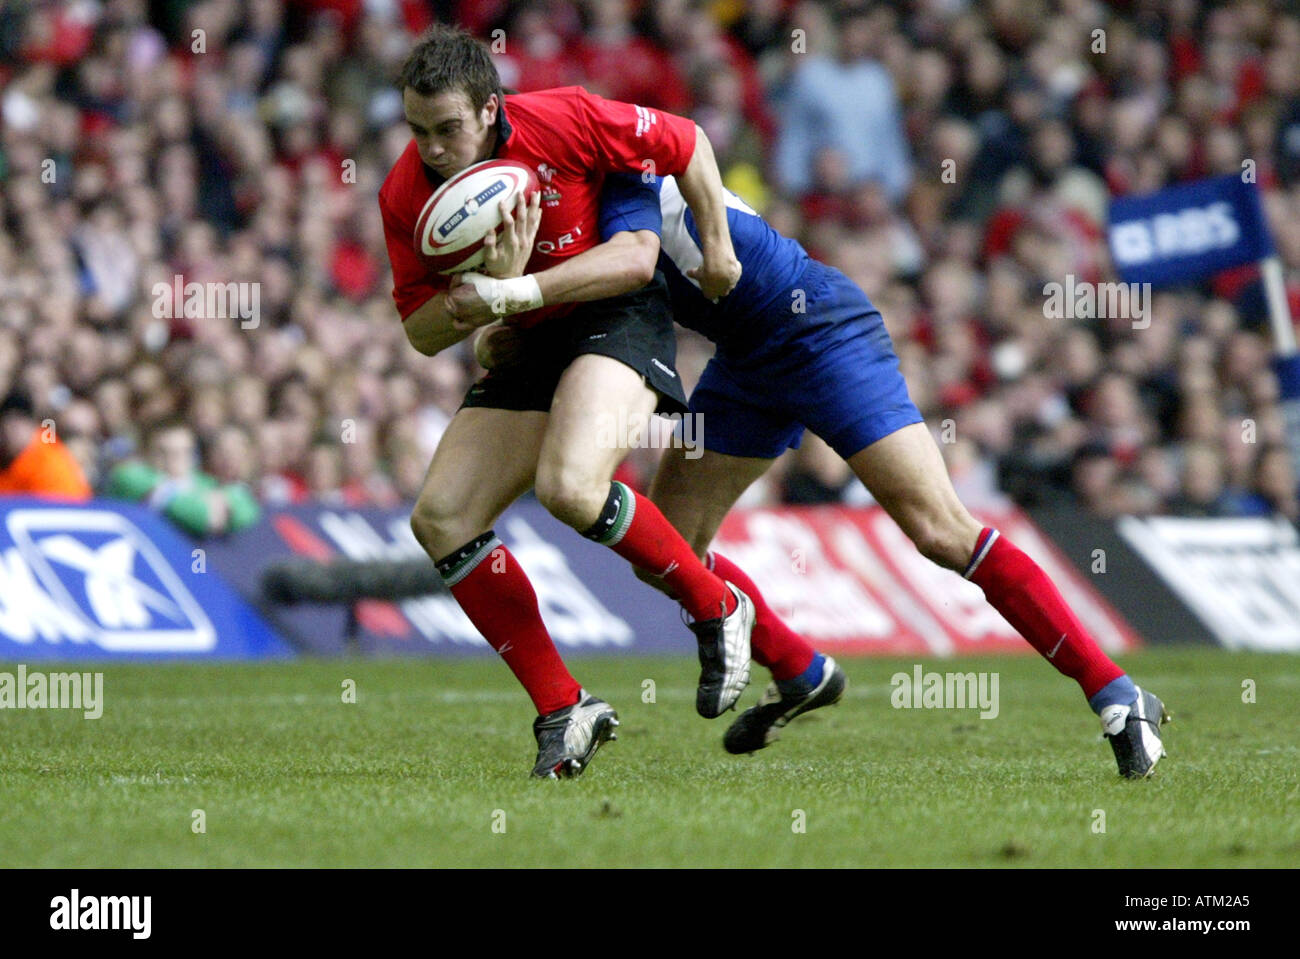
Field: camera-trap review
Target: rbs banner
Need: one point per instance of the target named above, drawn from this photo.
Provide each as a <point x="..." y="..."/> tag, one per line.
<point x="1188" y="232"/>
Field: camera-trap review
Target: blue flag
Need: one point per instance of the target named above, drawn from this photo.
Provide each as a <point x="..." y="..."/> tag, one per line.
<point x="1188" y="232"/>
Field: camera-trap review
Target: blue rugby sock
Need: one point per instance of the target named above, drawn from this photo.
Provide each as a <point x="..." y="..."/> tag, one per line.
<point x="806" y="681"/>
<point x="1117" y="692"/>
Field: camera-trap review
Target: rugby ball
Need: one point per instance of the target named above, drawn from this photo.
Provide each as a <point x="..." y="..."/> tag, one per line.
<point x="450" y="230"/>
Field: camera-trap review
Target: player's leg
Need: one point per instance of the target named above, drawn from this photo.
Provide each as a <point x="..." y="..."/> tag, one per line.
<point x="695" y="495"/>
<point x="485" y="460"/>
<point x="742" y="430"/>
<point x="579" y="454"/>
<point x="907" y="476"/>
<point x="695" y="489"/>
<point x="858" y="402"/>
<point x="623" y="352"/>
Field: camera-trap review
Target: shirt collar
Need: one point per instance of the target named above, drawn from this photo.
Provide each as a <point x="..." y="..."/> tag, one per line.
<point x="504" y="129"/>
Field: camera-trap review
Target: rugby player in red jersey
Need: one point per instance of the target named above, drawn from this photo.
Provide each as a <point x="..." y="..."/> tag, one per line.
<point x="537" y="424"/>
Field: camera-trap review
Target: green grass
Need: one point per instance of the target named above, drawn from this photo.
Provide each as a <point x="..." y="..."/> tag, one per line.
<point x="413" y="773"/>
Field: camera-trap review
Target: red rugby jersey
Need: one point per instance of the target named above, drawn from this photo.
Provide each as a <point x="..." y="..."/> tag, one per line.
<point x="572" y="138"/>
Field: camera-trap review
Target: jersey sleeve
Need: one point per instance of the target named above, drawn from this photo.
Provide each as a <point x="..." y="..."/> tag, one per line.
<point x="628" y="203"/>
<point x="413" y="282"/>
<point x="622" y="137"/>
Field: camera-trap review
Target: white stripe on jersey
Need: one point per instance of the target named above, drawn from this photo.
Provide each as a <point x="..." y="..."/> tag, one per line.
<point x="676" y="241"/>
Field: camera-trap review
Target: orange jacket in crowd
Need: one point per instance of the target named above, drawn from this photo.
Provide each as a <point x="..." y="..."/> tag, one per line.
<point x="44" y="469"/>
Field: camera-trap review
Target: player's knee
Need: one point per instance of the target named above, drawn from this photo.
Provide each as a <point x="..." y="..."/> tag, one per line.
<point x="570" y="497"/>
<point x="425" y="527"/>
<point x="438" y="526"/>
<point x="941" y="540"/>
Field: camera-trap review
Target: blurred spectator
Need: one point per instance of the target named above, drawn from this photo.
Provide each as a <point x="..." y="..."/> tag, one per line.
<point x="817" y="474"/>
<point x="720" y="113"/>
<point x="843" y="102"/>
<point x="952" y="158"/>
<point x="1276" y="489"/>
<point x="171" y="483"/>
<point x="1203" y="492"/>
<point x="535" y="57"/>
<point x="621" y="64"/>
<point x="33" y="460"/>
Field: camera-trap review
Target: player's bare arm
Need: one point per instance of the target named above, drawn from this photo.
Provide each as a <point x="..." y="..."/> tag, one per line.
<point x="701" y="187"/>
<point x="430" y="329"/>
<point x="625" y="262"/>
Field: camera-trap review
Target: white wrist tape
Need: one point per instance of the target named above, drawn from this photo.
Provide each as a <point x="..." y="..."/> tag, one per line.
<point x="505" y="297"/>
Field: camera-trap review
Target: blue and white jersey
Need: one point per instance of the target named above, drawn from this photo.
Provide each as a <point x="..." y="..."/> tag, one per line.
<point x="764" y="306"/>
<point x="799" y="343"/>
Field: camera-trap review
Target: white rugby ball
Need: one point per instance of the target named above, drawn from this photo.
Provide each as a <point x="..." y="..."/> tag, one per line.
<point x="450" y="230"/>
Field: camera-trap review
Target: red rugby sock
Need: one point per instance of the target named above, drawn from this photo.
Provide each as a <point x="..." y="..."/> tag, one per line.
<point x="1018" y="588"/>
<point x="633" y="527"/>
<point x="495" y="594"/>
<point x="773" y="644"/>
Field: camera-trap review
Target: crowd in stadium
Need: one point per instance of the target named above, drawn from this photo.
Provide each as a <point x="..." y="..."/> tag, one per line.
<point x="951" y="157"/>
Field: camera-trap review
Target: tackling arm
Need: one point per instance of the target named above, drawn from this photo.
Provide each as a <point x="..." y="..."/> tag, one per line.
<point x="701" y="187"/>
<point x="624" y="262"/>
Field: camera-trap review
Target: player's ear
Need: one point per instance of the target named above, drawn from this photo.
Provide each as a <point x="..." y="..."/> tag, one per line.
<point x="488" y="115"/>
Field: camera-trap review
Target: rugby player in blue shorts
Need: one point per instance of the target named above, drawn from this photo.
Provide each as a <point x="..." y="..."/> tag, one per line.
<point x="829" y="368"/>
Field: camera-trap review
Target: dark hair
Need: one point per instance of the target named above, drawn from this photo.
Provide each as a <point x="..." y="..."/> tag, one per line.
<point x="18" y="401"/>
<point x="448" y="58"/>
<point x="170" y="422"/>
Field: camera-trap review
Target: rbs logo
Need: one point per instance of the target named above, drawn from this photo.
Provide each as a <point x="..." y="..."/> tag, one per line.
<point x="1189" y="232"/>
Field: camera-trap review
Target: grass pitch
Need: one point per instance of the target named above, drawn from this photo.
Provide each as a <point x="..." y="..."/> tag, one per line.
<point x="429" y="768"/>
